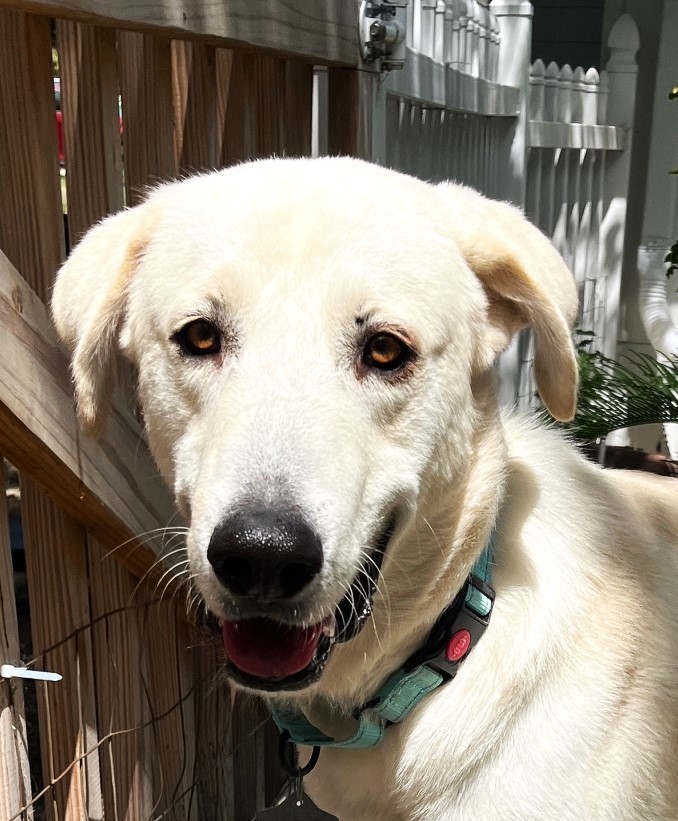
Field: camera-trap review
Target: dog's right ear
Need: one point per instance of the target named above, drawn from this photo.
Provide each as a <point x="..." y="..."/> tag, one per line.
<point x="88" y="303"/>
<point x="527" y="284"/>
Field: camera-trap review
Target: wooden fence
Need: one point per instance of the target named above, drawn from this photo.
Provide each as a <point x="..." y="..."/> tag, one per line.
<point x="140" y="726"/>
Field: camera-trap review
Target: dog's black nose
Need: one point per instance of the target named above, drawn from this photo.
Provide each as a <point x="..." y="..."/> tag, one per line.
<point x="265" y="554"/>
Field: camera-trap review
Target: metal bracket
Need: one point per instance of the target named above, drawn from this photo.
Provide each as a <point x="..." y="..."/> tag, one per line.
<point x="382" y="27"/>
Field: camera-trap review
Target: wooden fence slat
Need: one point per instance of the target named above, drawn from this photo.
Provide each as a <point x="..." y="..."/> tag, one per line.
<point x="59" y="603"/>
<point x="349" y="119"/>
<point x="31" y="223"/>
<point x="89" y="103"/>
<point x="298" y="112"/>
<point x="236" y="93"/>
<point x="213" y="727"/>
<point x="148" y="133"/>
<point x="169" y="688"/>
<point x="195" y="105"/>
<point x="249" y="717"/>
<point x="122" y="708"/>
<point x="15" y="781"/>
<point x="270" y="102"/>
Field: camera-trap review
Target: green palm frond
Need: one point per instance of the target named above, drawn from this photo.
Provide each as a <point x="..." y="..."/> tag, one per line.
<point x="614" y="395"/>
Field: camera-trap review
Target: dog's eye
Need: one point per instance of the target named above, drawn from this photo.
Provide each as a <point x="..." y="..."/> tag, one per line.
<point x="199" y="338"/>
<point x="386" y="352"/>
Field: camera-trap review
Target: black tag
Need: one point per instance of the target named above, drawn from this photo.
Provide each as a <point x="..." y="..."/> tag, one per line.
<point x="293" y="810"/>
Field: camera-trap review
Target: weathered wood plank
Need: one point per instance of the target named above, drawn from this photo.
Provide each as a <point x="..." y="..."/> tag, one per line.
<point x="122" y="709"/>
<point x="110" y="486"/>
<point x="58" y="596"/>
<point x="15" y="777"/>
<point x="31" y="224"/>
<point x="236" y="95"/>
<point x="344" y="113"/>
<point x="214" y="759"/>
<point x="89" y="102"/>
<point x="298" y="111"/>
<point x="194" y="88"/>
<point x="146" y="87"/>
<point x="324" y="31"/>
<point x="170" y="681"/>
<point x="249" y="716"/>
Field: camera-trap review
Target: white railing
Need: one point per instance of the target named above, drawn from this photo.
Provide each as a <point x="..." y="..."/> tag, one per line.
<point x="464" y="34"/>
<point x="445" y="114"/>
<point x="468" y="106"/>
<point x="577" y="182"/>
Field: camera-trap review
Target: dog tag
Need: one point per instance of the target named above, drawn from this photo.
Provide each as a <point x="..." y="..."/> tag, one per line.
<point x="292" y="809"/>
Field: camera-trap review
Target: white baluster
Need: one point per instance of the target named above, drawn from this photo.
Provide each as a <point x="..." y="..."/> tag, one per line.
<point x="495" y="39"/>
<point x="409" y="34"/>
<point x="591" y="97"/>
<point x="449" y="35"/>
<point x="537" y="72"/>
<point x="462" y="19"/>
<point x="416" y="25"/>
<point x="439" y="50"/>
<point x="485" y="42"/>
<point x="578" y="94"/>
<point x="428" y="13"/>
<point x="564" y="99"/>
<point x="473" y="38"/>
<point x="551" y="91"/>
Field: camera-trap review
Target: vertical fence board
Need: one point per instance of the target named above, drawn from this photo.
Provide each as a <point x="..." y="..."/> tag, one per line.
<point x="194" y="92"/>
<point x="249" y="716"/>
<point x="214" y="753"/>
<point x="31" y="225"/>
<point x="270" y="102"/>
<point x="237" y="85"/>
<point x="148" y="132"/>
<point x="121" y="702"/>
<point x="59" y="601"/>
<point x="343" y="112"/>
<point x="89" y="102"/>
<point x="169" y="687"/>
<point x="15" y="782"/>
<point x="298" y="111"/>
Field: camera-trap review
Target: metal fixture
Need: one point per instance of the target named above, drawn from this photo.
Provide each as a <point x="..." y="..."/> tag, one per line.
<point x="382" y="33"/>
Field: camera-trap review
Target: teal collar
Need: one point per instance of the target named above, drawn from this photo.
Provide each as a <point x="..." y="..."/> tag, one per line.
<point x="450" y="641"/>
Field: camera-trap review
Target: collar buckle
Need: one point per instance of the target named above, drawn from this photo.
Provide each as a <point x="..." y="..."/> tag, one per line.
<point x="457" y="630"/>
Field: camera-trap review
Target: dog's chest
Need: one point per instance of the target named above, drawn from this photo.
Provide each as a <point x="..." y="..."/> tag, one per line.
<point x="356" y="785"/>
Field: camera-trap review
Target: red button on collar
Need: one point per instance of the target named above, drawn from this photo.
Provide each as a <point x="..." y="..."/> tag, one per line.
<point x="458" y="646"/>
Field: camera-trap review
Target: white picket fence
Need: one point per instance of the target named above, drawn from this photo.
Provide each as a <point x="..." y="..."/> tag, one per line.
<point x="468" y="106"/>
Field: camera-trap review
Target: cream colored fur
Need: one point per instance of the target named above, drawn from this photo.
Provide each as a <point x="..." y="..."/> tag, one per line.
<point x="566" y="709"/>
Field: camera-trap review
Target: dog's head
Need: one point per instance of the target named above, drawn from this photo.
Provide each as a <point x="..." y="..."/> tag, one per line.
<point x="307" y="336"/>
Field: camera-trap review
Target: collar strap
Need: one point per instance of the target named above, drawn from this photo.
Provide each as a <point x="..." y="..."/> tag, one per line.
<point x="449" y="642"/>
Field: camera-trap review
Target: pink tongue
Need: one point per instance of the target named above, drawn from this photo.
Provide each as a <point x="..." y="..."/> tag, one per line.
<point x="267" y="649"/>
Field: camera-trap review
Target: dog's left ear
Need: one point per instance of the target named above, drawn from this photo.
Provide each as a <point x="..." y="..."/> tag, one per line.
<point x="88" y="304"/>
<point x="527" y="283"/>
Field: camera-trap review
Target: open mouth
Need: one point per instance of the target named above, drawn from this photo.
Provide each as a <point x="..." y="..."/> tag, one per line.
<point x="265" y="654"/>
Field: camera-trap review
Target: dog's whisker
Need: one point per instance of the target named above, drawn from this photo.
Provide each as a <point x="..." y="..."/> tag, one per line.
<point x="146" y="536"/>
<point x="159" y="561"/>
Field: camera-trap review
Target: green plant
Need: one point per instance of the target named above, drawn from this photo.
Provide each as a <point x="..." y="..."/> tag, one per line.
<point x="613" y="395"/>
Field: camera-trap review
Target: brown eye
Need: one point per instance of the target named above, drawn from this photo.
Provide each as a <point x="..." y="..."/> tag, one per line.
<point x="386" y="352"/>
<point x="199" y="338"/>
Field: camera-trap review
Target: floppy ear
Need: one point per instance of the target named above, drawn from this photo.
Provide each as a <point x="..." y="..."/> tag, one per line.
<point x="527" y="283"/>
<point x="88" y="305"/>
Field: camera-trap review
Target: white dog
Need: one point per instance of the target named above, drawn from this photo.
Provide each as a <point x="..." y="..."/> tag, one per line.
<point x="315" y="342"/>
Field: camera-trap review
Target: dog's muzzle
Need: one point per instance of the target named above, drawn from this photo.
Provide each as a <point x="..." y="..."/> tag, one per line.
<point x="267" y="557"/>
